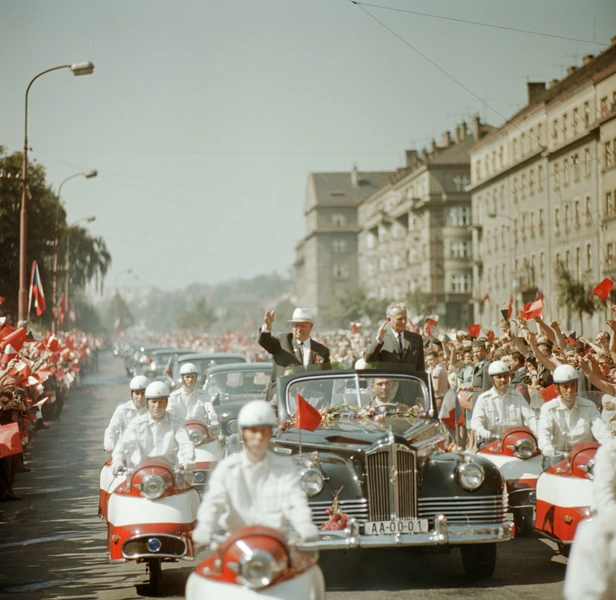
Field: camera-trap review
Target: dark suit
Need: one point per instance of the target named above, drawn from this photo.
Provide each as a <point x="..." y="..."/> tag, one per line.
<point x="285" y="352"/>
<point x="388" y="351"/>
<point x="481" y="379"/>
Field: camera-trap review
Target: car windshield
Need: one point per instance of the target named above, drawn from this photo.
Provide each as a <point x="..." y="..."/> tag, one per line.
<point x="386" y="392"/>
<point x="237" y="385"/>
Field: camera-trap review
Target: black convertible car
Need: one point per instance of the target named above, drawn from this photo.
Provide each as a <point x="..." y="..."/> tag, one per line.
<point x="378" y="470"/>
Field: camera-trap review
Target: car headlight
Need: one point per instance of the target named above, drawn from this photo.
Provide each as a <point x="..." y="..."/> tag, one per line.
<point x="311" y="481"/>
<point x="153" y="486"/>
<point x="259" y="568"/>
<point x="525" y="448"/>
<point x="232" y="426"/>
<point x="470" y="475"/>
<point x="196" y="436"/>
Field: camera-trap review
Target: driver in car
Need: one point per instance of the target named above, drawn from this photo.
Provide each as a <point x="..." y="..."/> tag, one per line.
<point x="500" y="407"/>
<point x="382" y="390"/>
<point x="255" y="486"/>
<point x="154" y="435"/>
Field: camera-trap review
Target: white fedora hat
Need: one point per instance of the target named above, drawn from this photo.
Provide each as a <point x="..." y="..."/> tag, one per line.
<point x="301" y="315"/>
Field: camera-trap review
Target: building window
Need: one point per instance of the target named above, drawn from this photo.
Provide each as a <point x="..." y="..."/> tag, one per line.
<point x="586" y="114"/>
<point x="461" y="283"/>
<point x="397" y="262"/>
<point x="383" y="264"/>
<point x="609" y="206"/>
<point x="576" y="118"/>
<point x="586" y="162"/>
<point x="575" y="162"/>
<point x="576" y="213"/>
<point x="540" y="178"/>
<point x="382" y="233"/>
<point x="555" y="130"/>
<point x="566" y="171"/>
<point x="532" y="142"/>
<point x="502" y="197"/>
<point x="515" y="189"/>
<point x="370" y="270"/>
<point x="501" y="162"/>
<point x="588" y="257"/>
<point x="341" y="271"/>
<point x="609" y="254"/>
<point x="413" y="256"/>
<point x="566" y="219"/>
<point x="339" y="246"/>
<point x="555" y="177"/>
<point x="339" y="220"/>
<point x="556" y="220"/>
<point x="540" y="133"/>
<point x="515" y="148"/>
<point x="587" y="208"/>
<point x="460" y="249"/>
<point x="540" y="224"/>
<point x="523" y="231"/>
<point x="532" y="224"/>
<point x="459" y="216"/>
<point x="609" y="156"/>
<point x="370" y="241"/>
<point x="604" y="106"/>
<point x="523" y="186"/>
<point x="541" y="264"/>
<point x="565" y="125"/>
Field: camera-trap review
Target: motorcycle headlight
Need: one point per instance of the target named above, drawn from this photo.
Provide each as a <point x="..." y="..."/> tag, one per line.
<point x="184" y="479"/>
<point x="311" y="481"/>
<point x="470" y="476"/>
<point x="525" y="448"/>
<point x="196" y="436"/>
<point x="153" y="486"/>
<point x="258" y="569"/>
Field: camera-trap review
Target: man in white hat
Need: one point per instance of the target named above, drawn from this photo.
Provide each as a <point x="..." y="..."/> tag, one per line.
<point x="290" y="349"/>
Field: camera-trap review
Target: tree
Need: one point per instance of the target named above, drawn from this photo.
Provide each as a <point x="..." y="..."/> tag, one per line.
<point x="118" y="316"/>
<point x="575" y="295"/>
<point x="200" y="317"/>
<point x="355" y="305"/>
<point x="89" y="256"/>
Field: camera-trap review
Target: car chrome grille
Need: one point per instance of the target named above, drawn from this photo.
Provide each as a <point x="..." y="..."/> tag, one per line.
<point x="170" y="546"/>
<point x="356" y="509"/>
<point x="464" y="510"/>
<point x="391" y="483"/>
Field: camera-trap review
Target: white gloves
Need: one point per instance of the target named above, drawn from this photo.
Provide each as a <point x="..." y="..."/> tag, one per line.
<point x="188" y="466"/>
<point x="308" y="532"/>
<point x="108" y="448"/>
<point x="116" y="467"/>
<point x="486" y="435"/>
<point x="201" y="536"/>
<point x="549" y="452"/>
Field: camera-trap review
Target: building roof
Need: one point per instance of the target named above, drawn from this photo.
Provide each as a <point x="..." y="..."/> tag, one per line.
<point x="339" y="188"/>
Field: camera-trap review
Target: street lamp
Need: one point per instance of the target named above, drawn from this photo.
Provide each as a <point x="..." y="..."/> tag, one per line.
<point x="67" y="261"/>
<point x="87" y="175"/>
<point x="82" y="68"/>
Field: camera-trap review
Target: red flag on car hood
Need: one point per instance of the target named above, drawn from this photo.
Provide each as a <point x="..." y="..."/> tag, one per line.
<point x="307" y="416"/>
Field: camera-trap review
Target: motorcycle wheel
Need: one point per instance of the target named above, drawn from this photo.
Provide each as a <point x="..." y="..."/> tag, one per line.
<point x="156" y="575"/>
<point x="524" y="521"/>
<point x="479" y="560"/>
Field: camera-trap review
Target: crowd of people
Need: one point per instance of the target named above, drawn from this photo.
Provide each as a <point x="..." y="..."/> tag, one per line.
<point x="36" y="374"/>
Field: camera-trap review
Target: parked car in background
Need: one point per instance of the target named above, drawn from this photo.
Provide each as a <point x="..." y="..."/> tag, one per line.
<point x="158" y="360"/>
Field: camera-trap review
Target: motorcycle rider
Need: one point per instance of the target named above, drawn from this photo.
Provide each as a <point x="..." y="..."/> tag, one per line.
<point x="568" y="419"/>
<point x="500" y="407"/>
<point x="154" y="435"/>
<point x="189" y="402"/>
<point x="255" y="486"/>
<point x="126" y="412"/>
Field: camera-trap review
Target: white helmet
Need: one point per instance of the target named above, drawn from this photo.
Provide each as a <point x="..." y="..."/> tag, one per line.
<point x="498" y="367"/>
<point x="257" y="413"/>
<point x="188" y="369"/>
<point x="157" y="389"/>
<point x="565" y="374"/>
<point x="139" y="383"/>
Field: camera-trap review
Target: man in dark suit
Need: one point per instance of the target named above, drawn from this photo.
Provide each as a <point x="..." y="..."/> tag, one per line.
<point x="394" y="344"/>
<point x="292" y="349"/>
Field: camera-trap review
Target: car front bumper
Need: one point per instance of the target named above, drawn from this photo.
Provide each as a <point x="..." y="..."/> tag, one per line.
<point x="442" y="534"/>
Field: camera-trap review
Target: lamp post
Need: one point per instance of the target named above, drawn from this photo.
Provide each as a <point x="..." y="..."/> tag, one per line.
<point x="87" y="175"/>
<point x="67" y="261"/>
<point x="82" y="68"/>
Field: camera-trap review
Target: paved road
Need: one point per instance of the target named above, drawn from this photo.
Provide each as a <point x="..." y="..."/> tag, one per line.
<point x="52" y="545"/>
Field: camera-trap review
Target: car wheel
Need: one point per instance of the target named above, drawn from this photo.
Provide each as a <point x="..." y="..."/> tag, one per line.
<point x="479" y="560"/>
<point x="524" y="521"/>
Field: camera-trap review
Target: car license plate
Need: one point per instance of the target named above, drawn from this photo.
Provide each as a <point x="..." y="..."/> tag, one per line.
<point x="393" y="527"/>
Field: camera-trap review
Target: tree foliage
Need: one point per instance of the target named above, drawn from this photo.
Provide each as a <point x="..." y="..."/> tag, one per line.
<point x="199" y="318"/>
<point x="575" y="295"/>
<point x="89" y="256"/>
<point x="355" y="305"/>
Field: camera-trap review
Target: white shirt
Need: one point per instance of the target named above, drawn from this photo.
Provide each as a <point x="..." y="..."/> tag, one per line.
<point x="562" y="429"/>
<point x="241" y="493"/>
<point x="494" y="413"/>
<point x="193" y="405"/>
<point x="121" y="418"/>
<point x="146" y="438"/>
<point x="305" y="350"/>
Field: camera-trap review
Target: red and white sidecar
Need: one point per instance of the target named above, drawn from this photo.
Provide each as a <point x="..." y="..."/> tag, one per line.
<point x="564" y="495"/>
<point x="208" y="451"/>
<point x="516" y="454"/>
<point x="256" y="562"/>
<point x="150" y="513"/>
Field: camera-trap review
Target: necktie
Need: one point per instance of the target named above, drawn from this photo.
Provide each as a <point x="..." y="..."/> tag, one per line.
<point x="400" y="346"/>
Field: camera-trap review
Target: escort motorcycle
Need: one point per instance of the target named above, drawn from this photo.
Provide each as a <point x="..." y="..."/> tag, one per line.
<point x="564" y="495"/>
<point x="150" y="512"/>
<point x="208" y="451"/>
<point x="256" y="562"/>
<point x="516" y="454"/>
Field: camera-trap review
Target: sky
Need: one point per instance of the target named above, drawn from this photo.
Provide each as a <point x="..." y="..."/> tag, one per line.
<point x="204" y="118"/>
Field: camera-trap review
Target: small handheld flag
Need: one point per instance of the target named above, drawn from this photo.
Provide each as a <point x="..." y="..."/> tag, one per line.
<point x="36" y="291"/>
<point x="603" y="289"/>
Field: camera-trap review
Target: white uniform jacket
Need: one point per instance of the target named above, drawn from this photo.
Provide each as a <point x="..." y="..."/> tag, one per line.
<point x="122" y="416"/>
<point x="183" y="405"/>
<point x="494" y="413"/>
<point x="562" y="429"/>
<point x="243" y="493"/>
<point x="145" y="438"/>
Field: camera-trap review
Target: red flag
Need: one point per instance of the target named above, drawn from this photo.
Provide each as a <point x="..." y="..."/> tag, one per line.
<point x="549" y="393"/>
<point x="429" y="323"/>
<point x="15" y="340"/>
<point x="355" y="327"/>
<point x="2" y="299"/>
<point x="307" y="416"/>
<point x="603" y="289"/>
<point x="508" y="310"/>
<point x="491" y="335"/>
<point x="474" y="330"/>
<point x="572" y="337"/>
<point x="10" y="440"/>
<point x="532" y="310"/>
<point x="36" y="291"/>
